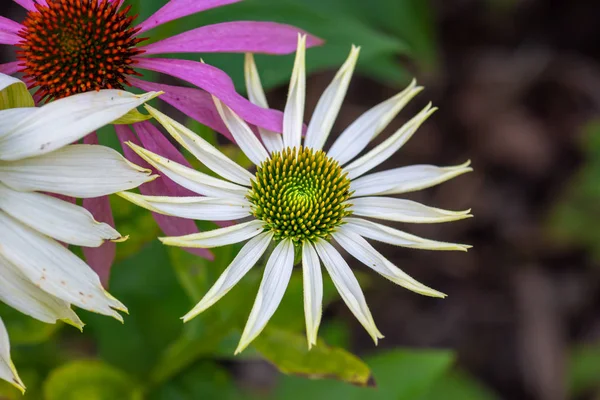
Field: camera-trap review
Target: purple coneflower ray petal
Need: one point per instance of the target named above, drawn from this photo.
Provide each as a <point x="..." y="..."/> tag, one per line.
<point x="171" y="226"/>
<point x="10" y="26"/>
<point x="194" y="103"/>
<point x="29" y="5"/>
<point x="217" y="83"/>
<point x="9" y="68"/>
<point x="234" y="37"/>
<point x="176" y="9"/>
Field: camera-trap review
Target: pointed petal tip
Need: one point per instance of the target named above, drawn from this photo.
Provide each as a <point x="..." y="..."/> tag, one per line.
<point x="120" y="239"/>
<point x="242" y="345"/>
<point x="150" y="95"/>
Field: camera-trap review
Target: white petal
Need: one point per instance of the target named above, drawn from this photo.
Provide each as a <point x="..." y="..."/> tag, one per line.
<point x="293" y="115"/>
<point x="241" y="264"/>
<point x="329" y="104"/>
<point x="405" y="179"/>
<point x="13" y="93"/>
<point x="391" y="145"/>
<point x="18" y="292"/>
<point x="11" y="117"/>
<point x="206" y="153"/>
<point x="8" y="372"/>
<point x="217" y="237"/>
<point x="202" y="208"/>
<point x="402" y="210"/>
<point x="365" y="253"/>
<point x="273" y="141"/>
<point x="241" y="132"/>
<point x="369" y="125"/>
<point x="386" y="234"/>
<point x="191" y="179"/>
<point x="79" y="170"/>
<point x="313" y="292"/>
<point x="56" y="218"/>
<point x="66" y="120"/>
<point x="348" y="287"/>
<point x="54" y="269"/>
<point x="272" y="287"/>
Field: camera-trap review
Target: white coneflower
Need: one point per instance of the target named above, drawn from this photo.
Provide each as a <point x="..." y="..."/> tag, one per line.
<point x="303" y="198"/>
<point x="38" y="275"/>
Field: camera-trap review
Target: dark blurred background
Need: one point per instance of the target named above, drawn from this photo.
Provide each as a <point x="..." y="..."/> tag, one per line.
<point x="517" y="83"/>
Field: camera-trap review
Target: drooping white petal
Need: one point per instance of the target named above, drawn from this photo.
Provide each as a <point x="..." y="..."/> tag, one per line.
<point x="54" y="269"/>
<point x="365" y="253"/>
<point x="386" y="234"/>
<point x="313" y="292"/>
<point x="405" y="179"/>
<point x="217" y="237"/>
<point x="206" y="153"/>
<point x="391" y="145"/>
<point x="18" y="292"/>
<point x="8" y="372"/>
<point x="368" y="126"/>
<point x="191" y="179"/>
<point x="66" y="120"/>
<point x="273" y="141"/>
<point x="12" y="117"/>
<point x="241" y="132"/>
<point x="241" y="264"/>
<point x="272" y="287"/>
<point x="13" y="94"/>
<point x="78" y="170"/>
<point x="293" y="114"/>
<point x="348" y="287"/>
<point x="329" y="104"/>
<point x="56" y="218"/>
<point x="402" y="210"/>
<point x="202" y="208"/>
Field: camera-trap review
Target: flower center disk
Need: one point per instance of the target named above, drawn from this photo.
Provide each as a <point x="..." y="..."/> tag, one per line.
<point x="300" y="194"/>
<point x="74" y="46"/>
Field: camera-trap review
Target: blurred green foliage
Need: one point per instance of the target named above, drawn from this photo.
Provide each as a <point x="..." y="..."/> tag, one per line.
<point x="153" y="355"/>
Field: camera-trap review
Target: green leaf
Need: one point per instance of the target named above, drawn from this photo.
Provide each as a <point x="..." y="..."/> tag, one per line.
<point x="204" y="380"/>
<point x="398" y="374"/>
<point x="22" y="329"/>
<point x="458" y="385"/>
<point x="146" y="284"/>
<point x="90" y="380"/>
<point x="201" y="337"/>
<point x="584" y="370"/>
<point x="290" y="354"/>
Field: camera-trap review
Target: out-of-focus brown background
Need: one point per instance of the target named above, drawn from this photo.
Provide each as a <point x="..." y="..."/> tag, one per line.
<point x="518" y="89"/>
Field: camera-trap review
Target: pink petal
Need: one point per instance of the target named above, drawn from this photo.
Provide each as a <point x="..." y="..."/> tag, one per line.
<point x="171" y="226"/>
<point x="100" y="258"/>
<point x="234" y="37"/>
<point x="10" y="26"/>
<point x="29" y="5"/>
<point x="9" y="68"/>
<point x="217" y="83"/>
<point x="9" y="38"/>
<point x="153" y="139"/>
<point x="194" y="103"/>
<point x="175" y="9"/>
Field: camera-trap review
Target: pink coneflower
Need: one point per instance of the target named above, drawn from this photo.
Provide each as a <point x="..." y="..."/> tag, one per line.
<point x="73" y="46"/>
